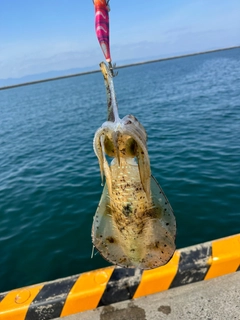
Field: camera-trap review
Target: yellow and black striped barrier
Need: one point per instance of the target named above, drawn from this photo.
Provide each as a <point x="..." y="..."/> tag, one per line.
<point x="113" y="284"/>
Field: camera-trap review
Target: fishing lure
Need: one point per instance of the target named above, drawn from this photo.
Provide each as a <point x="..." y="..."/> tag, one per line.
<point x="134" y="225"/>
<point x="102" y="29"/>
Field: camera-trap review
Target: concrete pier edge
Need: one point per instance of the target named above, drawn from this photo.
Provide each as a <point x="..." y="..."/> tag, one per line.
<point x="106" y="286"/>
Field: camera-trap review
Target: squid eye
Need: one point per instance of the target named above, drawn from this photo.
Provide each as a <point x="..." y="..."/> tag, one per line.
<point x="109" y="147"/>
<point x="131" y="148"/>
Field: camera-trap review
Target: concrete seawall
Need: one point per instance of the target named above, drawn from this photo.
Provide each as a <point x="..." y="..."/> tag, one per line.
<point x="103" y="288"/>
<point x="215" y="299"/>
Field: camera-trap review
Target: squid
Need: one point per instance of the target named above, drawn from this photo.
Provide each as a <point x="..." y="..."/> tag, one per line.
<point x="134" y="225"/>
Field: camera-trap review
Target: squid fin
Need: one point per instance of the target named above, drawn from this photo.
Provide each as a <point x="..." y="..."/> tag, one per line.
<point x="164" y="228"/>
<point x="104" y="233"/>
<point x="144" y="170"/>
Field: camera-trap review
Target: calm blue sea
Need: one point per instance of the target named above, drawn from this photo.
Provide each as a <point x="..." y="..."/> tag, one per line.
<point x="49" y="176"/>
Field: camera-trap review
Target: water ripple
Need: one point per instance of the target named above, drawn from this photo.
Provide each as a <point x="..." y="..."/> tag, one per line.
<point x="50" y="180"/>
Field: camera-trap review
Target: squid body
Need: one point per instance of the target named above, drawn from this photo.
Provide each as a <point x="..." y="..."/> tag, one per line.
<point x="134" y="225"/>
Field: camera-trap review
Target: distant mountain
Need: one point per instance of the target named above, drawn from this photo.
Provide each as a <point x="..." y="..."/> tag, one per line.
<point x="55" y="74"/>
<point x="41" y="76"/>
<point x="61" y="73"/>
<point x="73" y="71"/>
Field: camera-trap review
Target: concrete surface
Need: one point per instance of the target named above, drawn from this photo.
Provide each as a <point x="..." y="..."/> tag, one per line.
<point x="215" y="299"/>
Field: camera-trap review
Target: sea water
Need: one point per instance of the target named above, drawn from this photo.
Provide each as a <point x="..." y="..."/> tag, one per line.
<point x="49" y="175"/>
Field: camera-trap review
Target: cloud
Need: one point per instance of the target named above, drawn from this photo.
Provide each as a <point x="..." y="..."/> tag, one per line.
<point x="172" y="42"/>
<point x="69" y="41"/>
<point x="187" y="28"/>
<point x="38" y="62"/>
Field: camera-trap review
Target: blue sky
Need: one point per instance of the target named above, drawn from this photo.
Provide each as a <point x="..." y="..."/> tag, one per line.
<point x="41" y="36"/>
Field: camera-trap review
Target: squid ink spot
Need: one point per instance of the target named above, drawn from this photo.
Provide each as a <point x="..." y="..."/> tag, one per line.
<point x="126" y="210"/>
<point x="110" y="239"/>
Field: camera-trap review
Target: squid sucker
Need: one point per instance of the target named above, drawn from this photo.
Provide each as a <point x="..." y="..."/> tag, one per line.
<point x="134" y="225"/>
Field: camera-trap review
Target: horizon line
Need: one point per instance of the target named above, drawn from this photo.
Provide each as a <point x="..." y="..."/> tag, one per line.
<point x="117" y="67"/>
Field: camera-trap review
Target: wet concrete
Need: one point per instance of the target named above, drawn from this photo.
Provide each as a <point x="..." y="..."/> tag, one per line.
<point x="213" y="299"/>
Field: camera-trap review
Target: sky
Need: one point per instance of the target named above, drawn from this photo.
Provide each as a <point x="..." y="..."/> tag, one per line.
<point x="40" y="36"/>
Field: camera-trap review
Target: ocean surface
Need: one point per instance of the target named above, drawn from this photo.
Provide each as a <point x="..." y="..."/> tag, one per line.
<point x="49" y="175"/>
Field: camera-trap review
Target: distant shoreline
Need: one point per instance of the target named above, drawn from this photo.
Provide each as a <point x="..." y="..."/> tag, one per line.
<point x="118" y="67"/>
